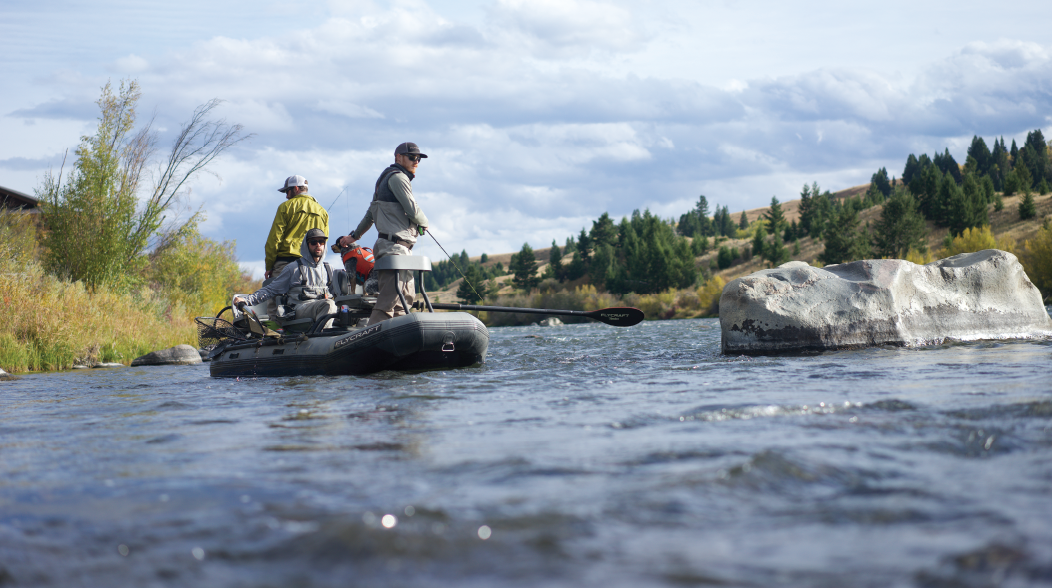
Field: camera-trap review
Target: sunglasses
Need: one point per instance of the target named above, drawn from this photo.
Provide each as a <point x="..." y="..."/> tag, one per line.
<point x="413" y="158"/>
<point x="316" y="241"/>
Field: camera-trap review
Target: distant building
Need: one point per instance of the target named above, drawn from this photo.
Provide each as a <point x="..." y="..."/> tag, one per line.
<point x="17" y="200"/>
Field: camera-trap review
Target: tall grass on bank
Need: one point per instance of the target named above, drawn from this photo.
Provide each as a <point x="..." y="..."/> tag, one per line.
<point x="51" y="323"/>
<point x="686" y="303"/>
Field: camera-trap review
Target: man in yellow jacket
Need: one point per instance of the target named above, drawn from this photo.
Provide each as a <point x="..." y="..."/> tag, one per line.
<point x="299" y="213"/>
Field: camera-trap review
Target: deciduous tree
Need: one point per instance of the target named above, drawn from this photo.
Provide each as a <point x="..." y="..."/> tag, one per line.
<point x="99" y="228"/>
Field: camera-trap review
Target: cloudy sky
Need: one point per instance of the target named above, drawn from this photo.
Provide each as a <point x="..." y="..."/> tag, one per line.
<point x="538" y="115"/>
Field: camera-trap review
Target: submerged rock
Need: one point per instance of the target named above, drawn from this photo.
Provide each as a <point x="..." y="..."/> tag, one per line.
<point x="552" y="321"/>
<point x="796" y="307"/>
<point x="178" y="355"/>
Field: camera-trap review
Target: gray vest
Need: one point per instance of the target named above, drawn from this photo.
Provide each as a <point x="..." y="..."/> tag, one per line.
<point x="303" y="292"/>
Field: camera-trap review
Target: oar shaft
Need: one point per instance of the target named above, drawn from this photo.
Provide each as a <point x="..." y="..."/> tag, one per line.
<point x="445" y="306"/>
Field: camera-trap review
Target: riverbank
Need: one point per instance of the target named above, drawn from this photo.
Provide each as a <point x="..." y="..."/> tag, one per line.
<point x="52" y="324"/>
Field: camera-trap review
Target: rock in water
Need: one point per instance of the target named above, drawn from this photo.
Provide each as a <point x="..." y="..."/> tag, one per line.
<point x="796" y="307"/>
<point x="5" y="376"/>
<point x="178" y="355"/>
<point x="552" y="321"/>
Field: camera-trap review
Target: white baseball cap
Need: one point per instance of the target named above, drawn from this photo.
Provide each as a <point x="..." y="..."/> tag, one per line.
<point x="293" y="181"/>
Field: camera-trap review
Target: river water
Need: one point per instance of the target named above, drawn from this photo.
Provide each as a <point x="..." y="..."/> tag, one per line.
<point x="581" y="455"/>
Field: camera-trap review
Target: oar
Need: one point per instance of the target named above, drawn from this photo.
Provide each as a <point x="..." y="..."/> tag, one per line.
<point x="618" y="316"/>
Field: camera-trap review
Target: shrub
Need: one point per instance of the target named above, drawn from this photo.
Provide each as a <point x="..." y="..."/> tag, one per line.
<point x="978" y="239"/>
<point x="710" y="293"/>
<point x="919" y="257"/>
<point x="1036" y="258"/>
<point x="724" y="258"/>
<point x="197" y="273"/>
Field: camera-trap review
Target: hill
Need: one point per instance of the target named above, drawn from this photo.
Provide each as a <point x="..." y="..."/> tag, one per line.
<point x="1005" y="222"/>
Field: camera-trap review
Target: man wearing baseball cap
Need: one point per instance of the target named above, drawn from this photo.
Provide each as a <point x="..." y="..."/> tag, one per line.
<point x="399" y="221"/>
<point x="306" y="286"/>
<point x="299" y="213"/>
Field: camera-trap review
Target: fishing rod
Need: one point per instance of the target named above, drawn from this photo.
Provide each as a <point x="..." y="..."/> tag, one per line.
<point x="337" y="197"/>
<point x="450" y="258"/>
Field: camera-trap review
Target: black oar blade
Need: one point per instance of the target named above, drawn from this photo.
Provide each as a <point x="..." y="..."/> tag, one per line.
<point x="617" y="317"/>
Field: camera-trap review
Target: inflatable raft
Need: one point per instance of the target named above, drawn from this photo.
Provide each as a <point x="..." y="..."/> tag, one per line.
<point x="416" y="341"/>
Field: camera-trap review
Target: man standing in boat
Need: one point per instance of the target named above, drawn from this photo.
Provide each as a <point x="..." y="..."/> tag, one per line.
<point x="299" y="213"/>
<point x="399" y="221"/>
<point x="309" y="282"/>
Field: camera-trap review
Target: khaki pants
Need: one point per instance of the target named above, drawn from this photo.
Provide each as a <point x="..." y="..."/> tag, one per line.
<point x="313" y="309"/>
<point x="387" y="303"/>
<point x="272" y="304"/>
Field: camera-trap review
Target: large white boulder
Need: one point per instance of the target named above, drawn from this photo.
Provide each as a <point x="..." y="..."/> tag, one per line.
<point x="796" y="307"/>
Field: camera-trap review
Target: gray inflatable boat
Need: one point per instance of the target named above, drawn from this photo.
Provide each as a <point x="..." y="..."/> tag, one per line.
<point x="416" y="341"/>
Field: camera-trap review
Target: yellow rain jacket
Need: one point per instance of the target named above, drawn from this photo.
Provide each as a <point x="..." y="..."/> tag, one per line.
<point x="294" y="218"/>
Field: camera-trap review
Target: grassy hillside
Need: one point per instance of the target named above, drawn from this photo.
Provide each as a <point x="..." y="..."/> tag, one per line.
<point x="1004" y="223"/>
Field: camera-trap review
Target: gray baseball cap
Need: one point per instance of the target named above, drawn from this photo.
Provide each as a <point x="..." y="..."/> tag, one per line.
<point x="293" y="181"/>
<point x="409" y="149"/>
<point x="315" y="234"/>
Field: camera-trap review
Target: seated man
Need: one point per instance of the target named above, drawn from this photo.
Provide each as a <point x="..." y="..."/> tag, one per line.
<point x="307" y="282"/>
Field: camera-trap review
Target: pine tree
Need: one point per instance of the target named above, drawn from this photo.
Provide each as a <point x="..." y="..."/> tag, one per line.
<point x="775" y="253"/>
<point x="912" y="167"/>
<point x="881" y="182"/>
<point x="979" y="152"/>
<point x="471" y="290"/>
<point x="555" y="262"/>
<point x="758" y="242"/>
<point x="947" y="196"/>
<point x="743" y="221"/>
<point x="969" y="208"/>
<point x="1011" y="183"/>
<point x="699" y="245"/>
<point x="601" y="269"/>
<point x="584" y="247"/>
<point x="948" y="165"/>
<point x="1027" y="208"/>
<point x="702" y="210"/>
<point x="1025" y="181"/>
<point x="727" y="226"/>
<point x="844" y="239"/>
<point x="999" y="166"/>
<point x="524" y="268"/>
<point x="724" y="258"/>
<point x="775" y="217"/>
<point x="1036" y="157"/>
<point x="807" y="210"/>
<point x="987" y="185"/>
<point x="603" y="231"/>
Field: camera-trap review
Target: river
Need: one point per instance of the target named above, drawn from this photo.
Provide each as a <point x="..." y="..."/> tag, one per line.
<point x="581" y="455"/>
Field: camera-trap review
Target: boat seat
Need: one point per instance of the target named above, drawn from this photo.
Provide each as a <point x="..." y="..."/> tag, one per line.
<point x="355" y="301"/>
<point x="403" y="262"/>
